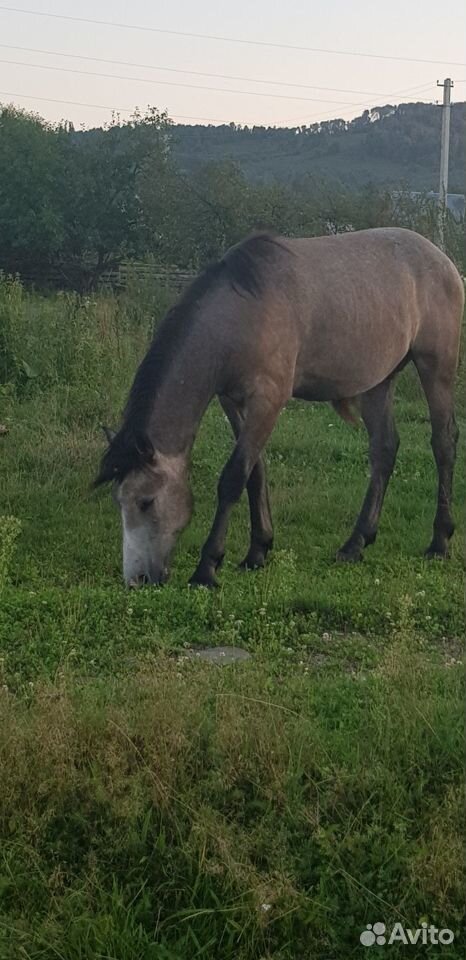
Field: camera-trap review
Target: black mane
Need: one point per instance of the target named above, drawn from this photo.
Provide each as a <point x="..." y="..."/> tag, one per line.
<point x="244" y="269"/>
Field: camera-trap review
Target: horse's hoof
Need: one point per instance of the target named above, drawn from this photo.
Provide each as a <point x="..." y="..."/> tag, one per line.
<point x="200" y="580"/>
<point x="253" y="561"/>
<point x="436" y="553"/>
<point x="349" y="556"/>
<point x="256" y="556"/>
<point x="352" y="550"/>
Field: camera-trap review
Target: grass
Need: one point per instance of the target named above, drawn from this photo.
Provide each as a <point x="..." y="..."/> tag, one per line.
<point x="156" y="808"/>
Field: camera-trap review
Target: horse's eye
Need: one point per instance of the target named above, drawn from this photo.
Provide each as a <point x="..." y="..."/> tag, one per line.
<point x="145" y="504"/>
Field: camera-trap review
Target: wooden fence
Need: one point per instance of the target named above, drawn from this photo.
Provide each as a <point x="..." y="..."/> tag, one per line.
<point x="67" y="277"/>
<point x="136" y="272"/>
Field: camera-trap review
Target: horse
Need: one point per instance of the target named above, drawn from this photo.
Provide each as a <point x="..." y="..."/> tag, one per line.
<point x="331" y="318"/>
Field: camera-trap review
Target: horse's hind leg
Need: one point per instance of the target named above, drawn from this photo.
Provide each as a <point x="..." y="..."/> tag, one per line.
<point x="438" y="387"/>
<point x="259" y="506"/>
<point x="377" y="413"/>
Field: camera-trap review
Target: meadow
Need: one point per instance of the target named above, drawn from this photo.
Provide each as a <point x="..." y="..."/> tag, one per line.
<point x="154" y="807"/>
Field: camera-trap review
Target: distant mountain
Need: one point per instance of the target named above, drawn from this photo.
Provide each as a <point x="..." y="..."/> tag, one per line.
<point x="387" y="145"/>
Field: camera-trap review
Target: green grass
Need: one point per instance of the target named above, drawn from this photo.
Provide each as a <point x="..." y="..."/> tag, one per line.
<point x="150" y="806"/>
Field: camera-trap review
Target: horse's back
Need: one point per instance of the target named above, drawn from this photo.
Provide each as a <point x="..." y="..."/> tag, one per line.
<point x="375" y="260"/>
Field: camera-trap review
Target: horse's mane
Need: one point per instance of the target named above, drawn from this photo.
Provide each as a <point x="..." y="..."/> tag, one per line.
<point x="244" y="269"/>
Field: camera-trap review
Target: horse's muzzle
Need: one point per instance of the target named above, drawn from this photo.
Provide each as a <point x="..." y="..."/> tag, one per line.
<point x="145" y="580"/>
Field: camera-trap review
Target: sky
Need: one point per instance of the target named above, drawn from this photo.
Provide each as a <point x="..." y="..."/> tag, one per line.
<point x="413" y="29"/>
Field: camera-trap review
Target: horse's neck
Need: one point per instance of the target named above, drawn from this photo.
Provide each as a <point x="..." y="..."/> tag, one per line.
<point x="181" y="403"/>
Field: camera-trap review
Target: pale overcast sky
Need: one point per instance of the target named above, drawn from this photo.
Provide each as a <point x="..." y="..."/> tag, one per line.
<point x="418" y="29"/>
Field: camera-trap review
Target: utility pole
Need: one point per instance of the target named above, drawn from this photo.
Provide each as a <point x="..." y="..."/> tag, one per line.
<point x="444" y="152"/>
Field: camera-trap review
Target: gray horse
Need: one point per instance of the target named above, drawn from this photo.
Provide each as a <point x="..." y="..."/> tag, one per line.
<point x="330" y="318"/>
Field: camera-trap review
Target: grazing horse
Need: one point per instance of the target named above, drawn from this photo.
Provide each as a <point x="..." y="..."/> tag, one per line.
<point x="330" y="318"/>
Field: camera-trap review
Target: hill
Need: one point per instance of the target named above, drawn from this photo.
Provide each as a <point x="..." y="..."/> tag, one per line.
<point x="384" y="146"/>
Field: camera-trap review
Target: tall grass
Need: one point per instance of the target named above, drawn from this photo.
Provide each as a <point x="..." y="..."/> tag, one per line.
<point x="78" y="347"/>
<point x="252" y="814"/>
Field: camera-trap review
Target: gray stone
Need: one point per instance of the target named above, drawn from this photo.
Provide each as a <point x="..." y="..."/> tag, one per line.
<point x="220" y="655"/>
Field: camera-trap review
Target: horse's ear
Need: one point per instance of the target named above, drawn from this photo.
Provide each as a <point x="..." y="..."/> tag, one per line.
<point x="110" y="434"/>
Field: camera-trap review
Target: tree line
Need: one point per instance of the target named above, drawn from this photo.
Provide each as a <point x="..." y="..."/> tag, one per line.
<point x="83" y="203"/>
<point x="385" y="145"/>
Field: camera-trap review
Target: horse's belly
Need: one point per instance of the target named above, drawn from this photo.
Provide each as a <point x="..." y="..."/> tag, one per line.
<point x="313" y="388"/>
<point x="327" y="373"/>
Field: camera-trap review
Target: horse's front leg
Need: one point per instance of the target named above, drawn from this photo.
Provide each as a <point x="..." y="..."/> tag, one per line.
<point x="259" y="506"/>
<point x="261" y="413"/>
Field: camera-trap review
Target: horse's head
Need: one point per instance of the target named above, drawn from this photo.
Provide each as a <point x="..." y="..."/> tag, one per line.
<point x="154" y="497"/>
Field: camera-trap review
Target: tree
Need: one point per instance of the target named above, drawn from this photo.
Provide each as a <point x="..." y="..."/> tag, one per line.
<point x="190" y="220"/>
<point x="32" y="223"/>
<point x="100" y="174"/>
<point x="68" y="200"/>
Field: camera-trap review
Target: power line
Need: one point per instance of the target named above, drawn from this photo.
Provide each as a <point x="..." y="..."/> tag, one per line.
<point x="418" y="87"/>
<point x="217" y="39"/>
<point x="100" y="106"/>
<point x="73" y="103"/>
<point x="403" y="90"/>
<point x="118" y="109"/>
<point x="331" y="114"/>
<point x="198" y="73"/>
<point x="106" y="106"/>
<point x="175" y="83"/>
<point x="177" y="116"/>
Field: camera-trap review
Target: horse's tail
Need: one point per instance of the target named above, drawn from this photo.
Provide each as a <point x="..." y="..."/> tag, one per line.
<point x="346" y="410"/>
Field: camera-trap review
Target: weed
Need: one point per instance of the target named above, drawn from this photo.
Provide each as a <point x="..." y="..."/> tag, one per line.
<point x="10" y="528"/>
